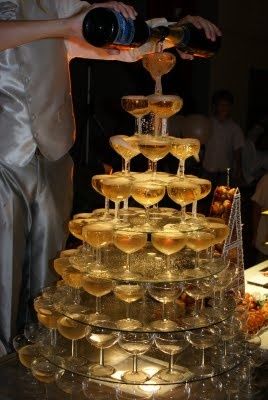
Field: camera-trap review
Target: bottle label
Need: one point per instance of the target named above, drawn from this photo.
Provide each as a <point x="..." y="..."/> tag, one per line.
<point x="126" y="30"/>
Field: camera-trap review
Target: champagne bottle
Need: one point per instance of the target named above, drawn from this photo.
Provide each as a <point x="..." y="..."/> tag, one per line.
<point x="188" y="39"/>
<point x="103" y="27"/>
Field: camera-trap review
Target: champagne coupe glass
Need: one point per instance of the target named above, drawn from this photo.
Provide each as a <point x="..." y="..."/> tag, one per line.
<point x="73" y="327"/>
<point x="203" y="339"/>
<point x="205" y="189"/>
<point x="199" y="290"/>
<point x="126" y="147"/>
<point x="154" y="148"/>
<point x="148" y="193"/>
<point x="47" y="316"/>
<point x="61" y="265"/>
<point x="171" y="344"/>
<point x="135" y="344"/>
<point x="117" y="189"/>
<point x="183" y="192"/>
<point x="96" y="182"/>
<point x="198" y="241"/>
<point x="164" y="106"/>
<point x="221" y="232"/>
<point x="168" y="243"/>
<point x="35" y="332"/>
<point x="98" y="235"/>
<point x="183" y="148"/>
<point x="255" y="358"/>
<point x="128" y="293"/>
<point x="228" y="330"/>
<point x="158" y="64"/>
<point x="165" y="293"/>
<point x="102" y="337"/>
<point x="69" y="382"/>
<point x="129" y="242"/>
<point x="97" y="287"/>
<point x="44" y="371"/>
<point x="221" y="281"/>
<point x="138" y="106"/>
<point x="27" y="353"/>
<point x="73" y="278"/>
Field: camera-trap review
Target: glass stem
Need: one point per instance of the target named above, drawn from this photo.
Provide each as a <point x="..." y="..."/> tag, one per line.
<point x="147" y="216"/>
<point x="197" y="258"/>
<point x="164" y="127"/>
<point x="158" y="85"/>
<point x="135" y="364"/>
<point x="127" y="310"/>
<point x="194" y="209"/>
<point x="53" y="337"/>
<point x="181" y="168"/>
<point x="203" y="359"/>
<point x="107" y="206"/>
<point x="98" y="256"/>
<point x="98" y="305"/>
<point x="116" y="209"/>
<point x="46" y="394"/>
<point x="183" y="213"/>
<point x="126" y="166"/>
<point x="168" y="262"/>
<point x="197" y="307"/>
<point x="154" y="167"/>
<point x="102" y="357"/>
<point x="139" y="125"/>
<point x="128" y="263"/>
<point x="74" y="348"/>
<point x="212" y="249"/>
<point x="225" y="348"/>
<point x="76" y="296"/>
<point x="171" y="363"/>
<point x="157" y="126"/>
<point x="164" y="311"/>
<point x="125" y="207"/>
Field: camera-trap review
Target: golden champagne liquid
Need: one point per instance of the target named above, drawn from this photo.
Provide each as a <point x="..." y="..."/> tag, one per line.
<point x="184" y="148"/>
<point x="129" y="242"/>
<point x="97" y="287"/>
<point x="158" y="64"/>
<point x="127" y="149"/>
<point x="96" y="182"/>
<point x="48" y="317"/>
<point x="103" y="340"/>
<point x="154" y="149"/>
<point x="168" y="243"/>
<point x="168" y="348"/>
<point x="28" y="354"/>
<point x="165" y="106"/>
<point x="61" y="265"/>
<point x="148" y="193"/>
<point x="164" y="295"/>
<point x="117" y="189"/>
<point x="76" y="226"/>
<point x="44" y="376"/>
<point x="73" y="278"/>
<point x="137" y="106"/>
<point x="129" y="292"/>
<point x="205" y="187"/>
<point x="71" y="329"/>
<point x="98" y="234"/>
<point x="219" y="230"/>
<point x="198" y="241"/>
<point x="68" y="253"/>
<point x="137" y="348"/>
<point x="183" y="192"/>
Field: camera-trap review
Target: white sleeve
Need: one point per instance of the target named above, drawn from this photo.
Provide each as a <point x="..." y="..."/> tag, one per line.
<point x="67" y="8"/>
<point x="261" y="193"/>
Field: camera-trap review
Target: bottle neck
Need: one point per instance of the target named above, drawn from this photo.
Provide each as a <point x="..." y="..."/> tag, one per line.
<point x="173" y="35"/>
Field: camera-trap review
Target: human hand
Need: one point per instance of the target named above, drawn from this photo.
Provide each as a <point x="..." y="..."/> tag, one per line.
<point x="211" y="31"/>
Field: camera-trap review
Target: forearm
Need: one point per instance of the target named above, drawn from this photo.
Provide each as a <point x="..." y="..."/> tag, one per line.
<point x="16" y="33"/>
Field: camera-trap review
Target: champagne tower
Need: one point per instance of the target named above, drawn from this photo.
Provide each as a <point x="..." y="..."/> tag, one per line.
<point x="142" y="307"/>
